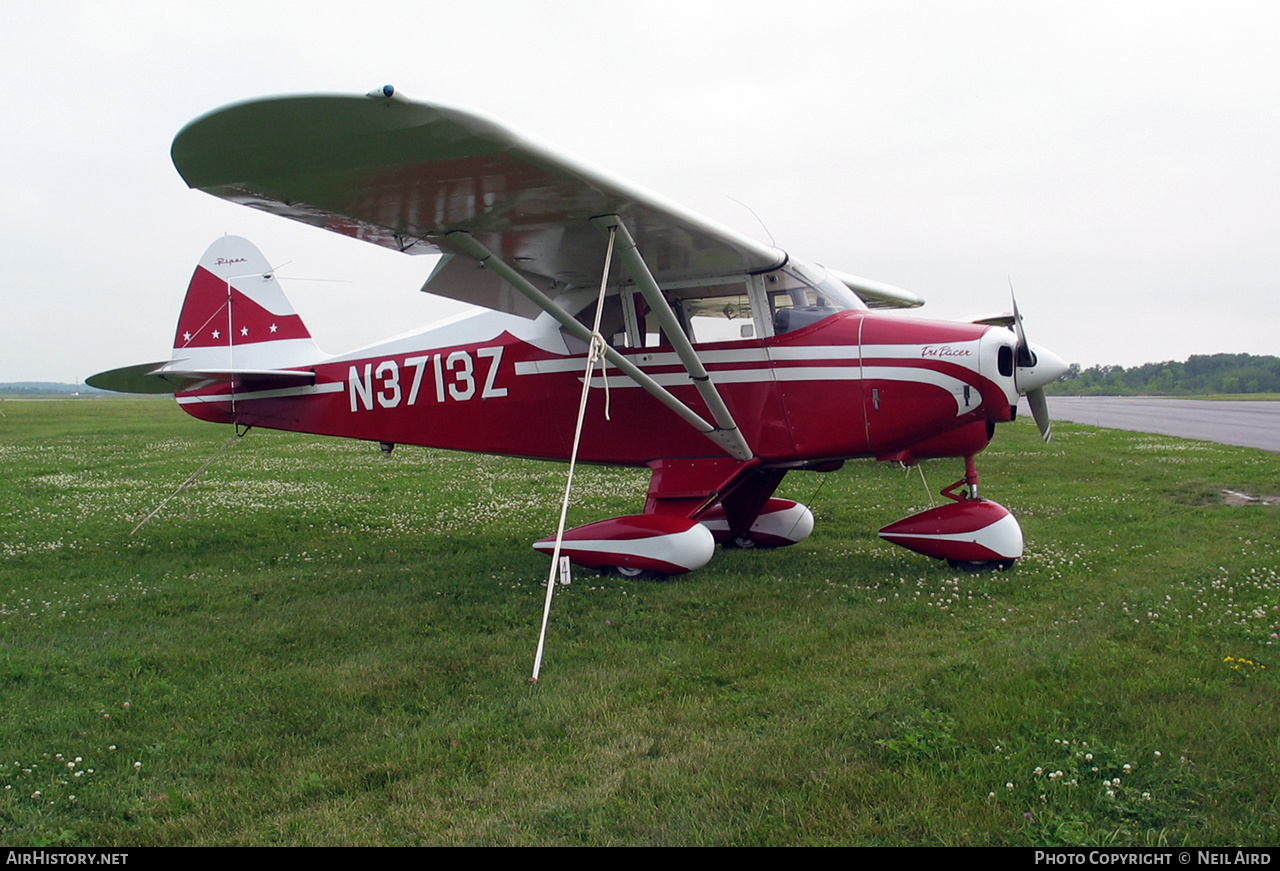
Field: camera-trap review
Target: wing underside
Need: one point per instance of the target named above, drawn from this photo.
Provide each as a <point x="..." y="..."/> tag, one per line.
<point x="405" y="174"/>
<point x="402" y="174"/>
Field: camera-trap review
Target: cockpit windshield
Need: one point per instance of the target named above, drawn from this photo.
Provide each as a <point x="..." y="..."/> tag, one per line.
<point x="801" y="294"/>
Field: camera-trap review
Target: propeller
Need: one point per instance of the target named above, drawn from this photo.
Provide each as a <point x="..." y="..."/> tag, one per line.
<point x="1034" y="367"/>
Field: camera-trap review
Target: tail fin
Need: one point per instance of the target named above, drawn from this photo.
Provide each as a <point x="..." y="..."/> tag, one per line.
<point x="236" y="325"/>
<point x="236" y="316"/>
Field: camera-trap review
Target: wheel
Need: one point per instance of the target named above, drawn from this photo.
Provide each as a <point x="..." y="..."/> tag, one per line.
<point x="633" y="573"/>
<point x="741" y="542"/>
<point x="995" y="565"/>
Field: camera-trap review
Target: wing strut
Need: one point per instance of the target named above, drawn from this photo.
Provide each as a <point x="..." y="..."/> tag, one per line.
<point x="658" y="304"/>
<point x="731" y="440"/>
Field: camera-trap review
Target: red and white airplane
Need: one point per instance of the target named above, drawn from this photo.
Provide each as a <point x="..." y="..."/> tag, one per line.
<point x="726" y="363"/>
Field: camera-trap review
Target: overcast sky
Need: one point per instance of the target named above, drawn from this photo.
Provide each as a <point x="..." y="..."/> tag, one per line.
<point x="1119" y="161"/>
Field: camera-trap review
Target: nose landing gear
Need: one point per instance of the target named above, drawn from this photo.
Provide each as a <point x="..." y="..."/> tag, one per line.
<point x="970" y="533"/>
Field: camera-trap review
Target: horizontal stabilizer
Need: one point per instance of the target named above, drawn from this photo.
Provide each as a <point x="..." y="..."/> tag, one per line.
<point x="133" y="379"/>
<point x="155" y="378"/>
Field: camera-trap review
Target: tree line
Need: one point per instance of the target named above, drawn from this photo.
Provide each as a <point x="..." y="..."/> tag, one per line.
<point x="1201" y="373"/>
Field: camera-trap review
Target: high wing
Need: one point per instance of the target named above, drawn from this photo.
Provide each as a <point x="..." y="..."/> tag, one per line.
<point x="404" y="174"/>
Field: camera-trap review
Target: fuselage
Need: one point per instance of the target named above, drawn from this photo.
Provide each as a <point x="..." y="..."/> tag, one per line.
<point x="854" y="384"/>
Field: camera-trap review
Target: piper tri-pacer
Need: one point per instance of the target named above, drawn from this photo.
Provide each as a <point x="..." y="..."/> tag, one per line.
<point x="726" y="363"/>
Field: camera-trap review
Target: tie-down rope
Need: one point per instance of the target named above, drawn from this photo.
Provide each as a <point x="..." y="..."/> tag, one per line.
<point x="595" y="353"/>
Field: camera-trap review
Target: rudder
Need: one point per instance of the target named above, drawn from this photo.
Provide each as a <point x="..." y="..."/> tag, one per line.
<point x="236" y="325"/>
<point x="236" y="315"/>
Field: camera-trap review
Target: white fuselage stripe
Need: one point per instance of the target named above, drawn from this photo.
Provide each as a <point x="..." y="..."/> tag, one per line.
<point x="305" y="390"/>
<point x="918" y="374"/>
<point x="959" y="353"/>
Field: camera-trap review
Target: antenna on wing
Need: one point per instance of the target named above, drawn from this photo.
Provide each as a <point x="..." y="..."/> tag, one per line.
<point x="758" y="219"/>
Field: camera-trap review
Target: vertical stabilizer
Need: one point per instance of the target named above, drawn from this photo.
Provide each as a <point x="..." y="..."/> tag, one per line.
<point x="236" y="317"/>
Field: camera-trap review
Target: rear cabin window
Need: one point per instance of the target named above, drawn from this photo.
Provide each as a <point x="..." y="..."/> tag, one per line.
<point x="734" y="310"/>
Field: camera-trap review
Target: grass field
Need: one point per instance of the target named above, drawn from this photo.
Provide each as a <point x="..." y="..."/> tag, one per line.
<point x="319" y="645"/>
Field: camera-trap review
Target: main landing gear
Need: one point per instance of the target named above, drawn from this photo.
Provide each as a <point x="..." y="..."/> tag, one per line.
<point x="655" y="546"/>
<point x="970" y="533"/>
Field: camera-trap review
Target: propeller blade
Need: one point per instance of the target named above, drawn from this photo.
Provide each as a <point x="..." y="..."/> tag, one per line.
<point x="1033" y="369"/>
<point x="1022" y="355"/>
<point x="1017" y="318"/>
<point x="1040" y="411"/>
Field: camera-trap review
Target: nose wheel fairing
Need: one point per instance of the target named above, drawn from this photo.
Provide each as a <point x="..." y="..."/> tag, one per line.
<point x="969" y="532"/>
<point x="973" y="532"/>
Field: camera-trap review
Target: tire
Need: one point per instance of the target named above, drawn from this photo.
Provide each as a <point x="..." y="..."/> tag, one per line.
<point x="994" y="565"/>
<point x="631" y="573"/>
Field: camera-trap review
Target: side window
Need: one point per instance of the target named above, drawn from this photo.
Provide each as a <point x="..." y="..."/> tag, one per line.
<point x="720" y="318"/>
<point x="706" y="312"/>
<point x="612" y="322"/>
<point x="640" y="326"/>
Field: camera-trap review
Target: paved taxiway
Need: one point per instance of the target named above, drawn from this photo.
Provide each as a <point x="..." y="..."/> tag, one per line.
<point x="1250" y="424"/>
